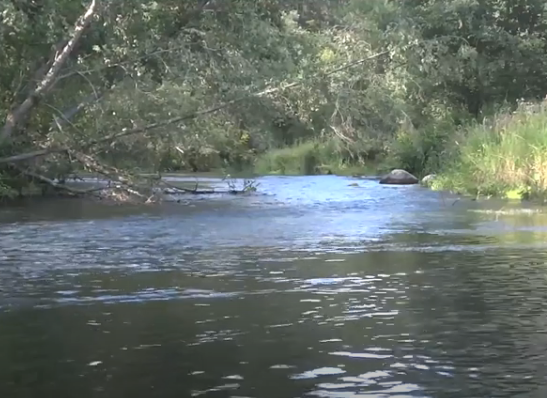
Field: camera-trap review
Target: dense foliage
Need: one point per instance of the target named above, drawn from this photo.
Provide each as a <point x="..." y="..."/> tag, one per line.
<point x="368" y="82"/>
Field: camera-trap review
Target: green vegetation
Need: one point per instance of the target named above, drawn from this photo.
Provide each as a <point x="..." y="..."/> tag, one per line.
<point x="275" y="86"/>
<point x="506" y="155"/>
<point x="313" y="157"/>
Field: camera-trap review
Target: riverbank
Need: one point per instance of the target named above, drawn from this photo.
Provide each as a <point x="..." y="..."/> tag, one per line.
<point x="504" y="156"/>
<point x="320" y="157"/>
<point x="171" y="187"/>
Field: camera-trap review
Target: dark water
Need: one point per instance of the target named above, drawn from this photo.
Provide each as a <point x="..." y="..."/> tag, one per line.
<point x="314" y="289"/>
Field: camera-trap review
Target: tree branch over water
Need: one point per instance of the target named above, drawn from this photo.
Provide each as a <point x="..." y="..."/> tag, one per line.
<point x="193" y="115"/>
<point x="270" y="86"/>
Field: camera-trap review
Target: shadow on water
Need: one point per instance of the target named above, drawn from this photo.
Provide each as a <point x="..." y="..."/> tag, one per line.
<point x="315" y="288"/>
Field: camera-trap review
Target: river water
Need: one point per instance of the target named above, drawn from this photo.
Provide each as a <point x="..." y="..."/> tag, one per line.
<point x="311" y="288"/>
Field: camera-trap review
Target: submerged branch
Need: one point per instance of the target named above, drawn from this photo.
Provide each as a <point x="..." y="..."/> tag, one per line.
<point x="54" y="183"/>
<point x="194" y="191"/>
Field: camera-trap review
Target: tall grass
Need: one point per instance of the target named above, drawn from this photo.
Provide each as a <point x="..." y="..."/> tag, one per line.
<point x="505" y="155"/>
<point x="329" y="156"/>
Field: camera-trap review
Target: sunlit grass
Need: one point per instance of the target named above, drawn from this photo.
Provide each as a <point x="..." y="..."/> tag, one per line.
<point x="312" y="157"/>
<point x="504" y="156"/>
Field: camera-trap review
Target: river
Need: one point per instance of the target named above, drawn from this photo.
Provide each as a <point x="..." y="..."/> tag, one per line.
<point x="310" y="288"/>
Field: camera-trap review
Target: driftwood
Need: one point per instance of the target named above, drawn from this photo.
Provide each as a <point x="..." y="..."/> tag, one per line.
<point x="58" y="186"/>
<point x="120" y="189"/>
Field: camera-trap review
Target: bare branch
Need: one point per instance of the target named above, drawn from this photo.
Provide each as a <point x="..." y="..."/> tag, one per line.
<point x="31" y="155"/>
<point x="112" y="174"/>
<point x="67" y="115"/>
<point x="53" y="183"/>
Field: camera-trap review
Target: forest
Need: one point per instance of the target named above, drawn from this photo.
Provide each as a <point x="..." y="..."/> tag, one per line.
<point x="125" y="87"/>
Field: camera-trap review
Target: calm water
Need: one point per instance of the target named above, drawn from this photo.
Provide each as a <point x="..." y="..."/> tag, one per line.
<point x="314" y="288"/>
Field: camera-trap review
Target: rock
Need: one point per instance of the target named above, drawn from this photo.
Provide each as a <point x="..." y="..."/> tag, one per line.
<point x="428" y="179"/>
<point x="399" y="177"/>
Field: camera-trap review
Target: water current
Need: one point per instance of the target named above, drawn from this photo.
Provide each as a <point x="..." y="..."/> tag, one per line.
<point x="309" y="288"/>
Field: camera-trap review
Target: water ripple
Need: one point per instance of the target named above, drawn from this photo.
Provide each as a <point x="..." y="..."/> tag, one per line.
<point x="314" y="288"/>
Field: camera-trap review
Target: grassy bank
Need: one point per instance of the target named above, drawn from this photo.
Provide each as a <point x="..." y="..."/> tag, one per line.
<point x="318" y="157"/>
<point x="505" y="156"/>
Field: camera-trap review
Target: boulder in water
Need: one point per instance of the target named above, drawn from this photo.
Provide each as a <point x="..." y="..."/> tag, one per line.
<point x="428" y="180"/>
<point x="399" y="177"/>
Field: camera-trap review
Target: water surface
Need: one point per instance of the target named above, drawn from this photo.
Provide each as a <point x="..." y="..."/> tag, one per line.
<point x="310" y="288"/>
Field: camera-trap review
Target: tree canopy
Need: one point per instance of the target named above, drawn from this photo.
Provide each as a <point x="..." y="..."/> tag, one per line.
<point x="194" y="85"/>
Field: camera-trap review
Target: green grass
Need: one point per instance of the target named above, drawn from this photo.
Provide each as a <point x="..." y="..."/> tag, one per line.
<point x="504" y="156"/>
<point x="311" y="158"/>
